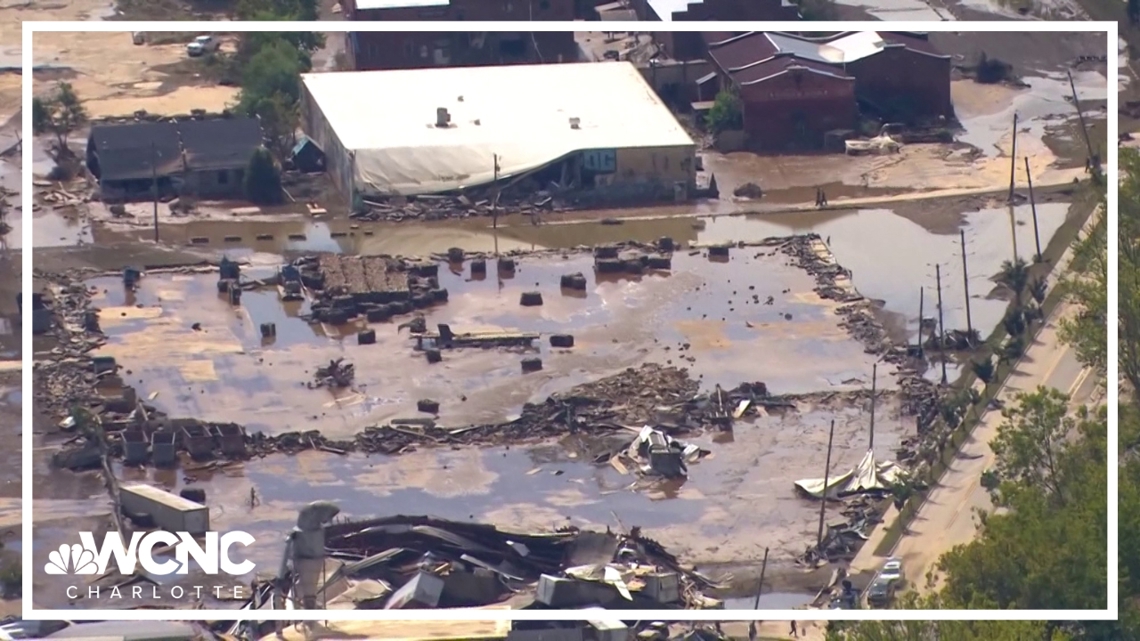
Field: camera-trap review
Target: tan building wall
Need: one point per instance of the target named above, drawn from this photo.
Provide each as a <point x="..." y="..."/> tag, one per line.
<point x="667" y="165"/>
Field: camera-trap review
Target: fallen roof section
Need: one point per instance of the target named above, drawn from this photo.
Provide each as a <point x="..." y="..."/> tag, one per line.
<point x="868" y="476"/>
<point x="519" y="114"/>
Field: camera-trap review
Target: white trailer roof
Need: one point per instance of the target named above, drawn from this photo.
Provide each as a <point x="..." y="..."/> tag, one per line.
<point x="521" y="113"/>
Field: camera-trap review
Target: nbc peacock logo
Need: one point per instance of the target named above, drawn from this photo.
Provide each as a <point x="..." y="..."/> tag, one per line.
<point x="71" y="559"/>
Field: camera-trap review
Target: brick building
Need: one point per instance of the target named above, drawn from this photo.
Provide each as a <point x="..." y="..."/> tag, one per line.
<point x="417" y="50"/>
<point x="794" y="90"/>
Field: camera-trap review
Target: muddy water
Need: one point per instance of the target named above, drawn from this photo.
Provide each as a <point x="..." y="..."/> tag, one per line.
<point x="744" y="486"/>
<point x="908" y="10"/>
<point x="1043" y="105"/>
<point x="708" y="316"/>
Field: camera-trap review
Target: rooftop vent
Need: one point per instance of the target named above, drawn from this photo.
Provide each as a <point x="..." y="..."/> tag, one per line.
<point x="575" y="123"/>
<point x="442" y="118"/>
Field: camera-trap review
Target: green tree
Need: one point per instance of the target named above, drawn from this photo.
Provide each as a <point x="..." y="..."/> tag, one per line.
<point x="59" y="114"/>
<point x="984" y="370"/>
<point x="727" y="113"/>
<point x="295" y="10"/>
<point x="271" y="88"/>
<point x="943" y="630"/>
<point x="1014" y="276"/>
<point x="263" y="179"/>
<point x="819" y="10"/>
<point x="1028" y="444"/>
<point x="1046" y="549"/>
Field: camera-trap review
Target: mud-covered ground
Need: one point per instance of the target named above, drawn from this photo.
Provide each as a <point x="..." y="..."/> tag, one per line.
<point x="223" y="371"/>
<point x="707" y="316"/>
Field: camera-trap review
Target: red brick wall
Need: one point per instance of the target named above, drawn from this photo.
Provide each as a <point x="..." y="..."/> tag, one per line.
<point x="796" y="109"/>
<point x="897" y="76"/>
<point x="373" y="50"/>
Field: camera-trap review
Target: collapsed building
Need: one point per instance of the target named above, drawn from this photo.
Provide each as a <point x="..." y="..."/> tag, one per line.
<point x="403" y="562"/>
<point x="593" y="129"/>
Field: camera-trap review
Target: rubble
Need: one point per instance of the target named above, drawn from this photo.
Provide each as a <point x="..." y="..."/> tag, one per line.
<point x="419" y="561"/>
<point x="337" y="374"/>
<point x="841" y="542"/>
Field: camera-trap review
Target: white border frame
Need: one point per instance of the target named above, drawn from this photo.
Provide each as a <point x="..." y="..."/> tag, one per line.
<point x="29" y="611"/>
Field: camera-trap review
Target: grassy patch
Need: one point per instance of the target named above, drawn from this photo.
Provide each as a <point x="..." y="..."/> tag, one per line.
<point x="1083" y="206"/>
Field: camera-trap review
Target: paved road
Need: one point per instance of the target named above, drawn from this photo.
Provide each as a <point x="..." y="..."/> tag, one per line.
<point x="947" y="518"/>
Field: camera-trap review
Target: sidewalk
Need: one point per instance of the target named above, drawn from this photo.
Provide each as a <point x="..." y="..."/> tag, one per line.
<point x="944" y="521"/>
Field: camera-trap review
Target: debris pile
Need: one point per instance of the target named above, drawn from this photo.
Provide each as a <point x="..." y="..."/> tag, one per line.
<point x="527" y="199"/>
<point x="337" y="374"/>
<point x="424" y="562"/>
<point x="841" y="542"/>
<point x="658" y="454"/>
<point x="376" y="287"/>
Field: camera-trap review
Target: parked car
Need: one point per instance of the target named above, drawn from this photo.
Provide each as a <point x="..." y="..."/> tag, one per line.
<point x="892" y="571"/>
<point x="201" y="46"/>
<point x="881" y="593"/>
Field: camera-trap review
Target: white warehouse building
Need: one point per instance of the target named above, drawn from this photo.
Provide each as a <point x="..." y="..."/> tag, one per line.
<point x="595" y="127"/>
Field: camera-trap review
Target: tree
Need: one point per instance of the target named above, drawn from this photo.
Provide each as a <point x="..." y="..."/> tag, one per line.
<point x="1087" y="286"/>
<point x="1014" y="276"/>
<point x="819" y="10"/>
<point x="727" y="113"/>
<point x="271" y="88"/>
<point x="292" y="10"/>
<point x="1047" y="548"/>
<point x="303" y="43"/>
<point x="942" y="630"/>
<point x="59" y="114"/>
<point x="984" y="370"/>
<point x="1029" y="442"/>
<point x="262" y="179"/>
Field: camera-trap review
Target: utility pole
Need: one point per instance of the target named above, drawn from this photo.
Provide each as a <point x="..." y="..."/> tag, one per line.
<point x="874" y="379"/>
<point x="1033" y="208"/>
<point x="921" y="347"/>
<point x="826" y="479"/>
<point x="495" y="203"/>
<point x="760" y="588"/>
<point x="1013" y="157"/>
<point x="941" y="326"/>
<point x="759" y="591"/>
<point x="1084" y="130"/>
<point x="154" y="185"/>
<point x="966" y="284"/>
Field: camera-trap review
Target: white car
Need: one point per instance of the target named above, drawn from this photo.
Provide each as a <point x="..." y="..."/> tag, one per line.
<point x="201" y="46"/>
<point x="892" y="570"/>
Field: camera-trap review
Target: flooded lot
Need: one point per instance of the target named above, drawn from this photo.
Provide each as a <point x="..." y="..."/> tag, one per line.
<point x="192" y="354"/>
<point x="225" y="372"/>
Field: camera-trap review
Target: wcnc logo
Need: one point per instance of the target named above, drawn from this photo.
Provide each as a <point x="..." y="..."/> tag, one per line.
<point x="212" y="556"/>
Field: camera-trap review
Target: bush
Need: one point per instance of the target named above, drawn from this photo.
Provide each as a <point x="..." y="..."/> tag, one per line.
<point x="263" y="179"/>
<point x="984" y="370"/>
<point x="726" y="113"/>
<point x="819" y="10"/>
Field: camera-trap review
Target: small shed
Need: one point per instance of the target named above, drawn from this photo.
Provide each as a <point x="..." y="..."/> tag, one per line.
<point x="307" y="156"/>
